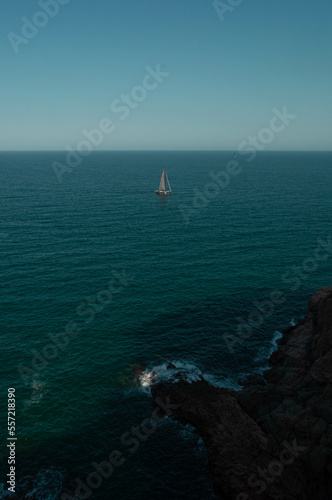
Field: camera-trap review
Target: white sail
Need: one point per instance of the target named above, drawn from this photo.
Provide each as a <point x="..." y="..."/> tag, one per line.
<point x="169" y="186"/>
<point x="162" y="185"/>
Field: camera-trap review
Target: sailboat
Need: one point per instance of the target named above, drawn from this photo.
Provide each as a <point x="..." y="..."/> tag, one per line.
<point x="162" y="186"/>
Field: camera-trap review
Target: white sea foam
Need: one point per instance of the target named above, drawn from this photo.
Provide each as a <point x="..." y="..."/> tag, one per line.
<point x="266" y="351"/>
<point x="176" y="370"/>
<point x="277" y="336"/>
<point x="167" y="373"/>
<point x="147" y="378"/>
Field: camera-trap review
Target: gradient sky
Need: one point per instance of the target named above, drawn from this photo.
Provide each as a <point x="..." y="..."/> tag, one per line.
<point x="225" y="77"/>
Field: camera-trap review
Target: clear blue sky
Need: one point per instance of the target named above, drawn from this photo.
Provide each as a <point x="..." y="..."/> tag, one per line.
<point x="225" y="77"/>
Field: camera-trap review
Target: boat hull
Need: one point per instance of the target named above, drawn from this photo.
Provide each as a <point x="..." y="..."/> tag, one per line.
<point x="163" y="192"/>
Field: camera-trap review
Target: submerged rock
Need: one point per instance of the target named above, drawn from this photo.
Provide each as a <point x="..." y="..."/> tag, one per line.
<point x="272" y="439"/>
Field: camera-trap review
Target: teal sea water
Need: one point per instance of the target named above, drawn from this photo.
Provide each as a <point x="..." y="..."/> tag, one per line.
<point x="177" y="288"/>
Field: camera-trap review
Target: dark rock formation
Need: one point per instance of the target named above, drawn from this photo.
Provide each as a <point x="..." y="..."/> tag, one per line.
<point x="272" y="439"/>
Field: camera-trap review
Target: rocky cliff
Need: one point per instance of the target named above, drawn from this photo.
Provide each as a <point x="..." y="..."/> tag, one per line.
<point x="272" y="439"/>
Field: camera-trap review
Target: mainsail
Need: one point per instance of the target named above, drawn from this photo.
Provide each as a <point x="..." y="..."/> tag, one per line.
<point x="162" y="185"/>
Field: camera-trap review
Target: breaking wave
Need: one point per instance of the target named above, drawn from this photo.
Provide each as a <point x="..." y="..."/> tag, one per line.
<point x="266" y="351"/>
<point x="175" y="371"/>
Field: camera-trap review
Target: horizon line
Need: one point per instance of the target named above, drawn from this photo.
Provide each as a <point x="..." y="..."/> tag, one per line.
<point x="165" y="150"/>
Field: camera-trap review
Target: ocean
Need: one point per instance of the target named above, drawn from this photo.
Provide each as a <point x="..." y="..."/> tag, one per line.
<point x="104" y="283"/>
